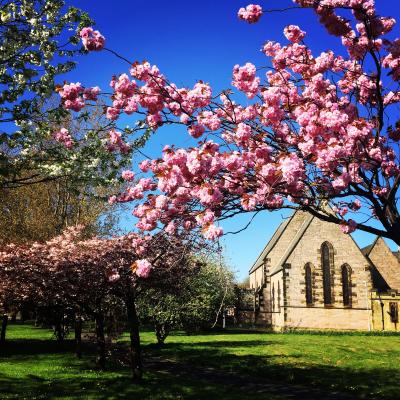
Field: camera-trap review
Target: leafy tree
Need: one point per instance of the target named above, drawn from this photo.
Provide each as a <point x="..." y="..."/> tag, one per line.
<point x="195" y="301"/>
<point x="43" y="210"/>
<point x="40" y="42"/>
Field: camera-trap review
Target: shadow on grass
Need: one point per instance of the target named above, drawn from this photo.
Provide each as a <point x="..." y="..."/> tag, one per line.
<point x="282" y="368"/>
<point x="215" y="344"/>
<point x="187" y="381"/>
<point x="29" y="347"/>
<point x="103" y="387"/>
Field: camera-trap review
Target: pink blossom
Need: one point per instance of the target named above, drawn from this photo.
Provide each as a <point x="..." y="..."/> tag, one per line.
<point x="348" y="226"/>
<point x="71" y="95"/>
<point x="92" y="40"/>
<point x="341" y="182"/>
<point x="143" y="268"/>
<point x="243" y="132"/>
<point x="145" y="165"/>
<point x="196" y="130"/>
<point x="212" y="232"/>
<point x="63" y="136"/>
<point x="112" y="113"/>
<point x="170" y="228"/>
<point x="245" y="79"/>
<point x="112" y="200"/>
<point x="210" y="120"/>
<point x="128" y="175"/>
<point x="294" y="33"/>
<point x="251" y="14"/>
<point x="355" y="205"/>
<point x="91" y="93"/>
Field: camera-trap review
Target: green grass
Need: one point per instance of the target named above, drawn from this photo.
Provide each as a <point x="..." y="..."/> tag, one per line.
<point x="34" y="366"/>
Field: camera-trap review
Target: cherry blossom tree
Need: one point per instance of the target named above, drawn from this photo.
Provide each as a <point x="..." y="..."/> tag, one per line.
<point x="317" y="129"/>
<point x="77" y="276"/>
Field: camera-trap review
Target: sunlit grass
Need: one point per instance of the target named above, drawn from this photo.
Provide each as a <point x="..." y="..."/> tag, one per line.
<point x="33" y="365"/>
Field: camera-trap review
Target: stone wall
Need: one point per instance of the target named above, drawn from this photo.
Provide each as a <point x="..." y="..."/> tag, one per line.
<point x="273" y="257"/>
<point x="318" y="315"/>
<point x="384" y="307"/>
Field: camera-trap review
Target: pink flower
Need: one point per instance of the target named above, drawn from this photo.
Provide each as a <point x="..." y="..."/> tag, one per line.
<point x="212" y="232"/>
<point x="196" y="130"/>
<point x="128" y="175"/>
<point x="92" y="40"/>
<point x="243" y="132"/>
<point x="143" y="268"/>
<point x="355" y="205"/>
<point x="294" y="33"/>
<point x="91" y="93"/>
<point x="112" y="113"/>
<point x="63" y="136"/>
<point x="348" y="226"/>
<point x="341" y="182"/>
<point x="251" y="14"/>
<point x="245" y="79"/>
<point x="71" y="95"/>
<point x="112" y="200"/>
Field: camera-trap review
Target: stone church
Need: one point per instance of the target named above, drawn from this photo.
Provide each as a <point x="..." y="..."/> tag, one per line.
<point x="312" y="276"/>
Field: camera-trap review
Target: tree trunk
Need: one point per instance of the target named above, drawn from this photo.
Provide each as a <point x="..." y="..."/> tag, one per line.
<point x="161" y="333"/>
<point x="3" y="328"/>
<point x="135" y="350"/>
<point x="58" y="330"/>
<point x="101" y="342"/>
<point x="78" y="336"/>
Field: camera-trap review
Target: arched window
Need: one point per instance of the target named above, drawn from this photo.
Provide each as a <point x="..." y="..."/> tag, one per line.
<point x="346" y="285"/>
<point x="308" y="279"/>
<point x="327" y="264"/>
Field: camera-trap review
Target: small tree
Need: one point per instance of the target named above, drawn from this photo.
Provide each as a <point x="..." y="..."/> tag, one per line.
<point x="195" y="301"/>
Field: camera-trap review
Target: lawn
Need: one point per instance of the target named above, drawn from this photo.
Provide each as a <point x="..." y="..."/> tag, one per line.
<point x="33" y="365"/>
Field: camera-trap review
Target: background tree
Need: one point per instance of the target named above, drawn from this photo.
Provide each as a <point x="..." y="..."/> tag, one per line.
<point x="40" y="42"/>
<point x="70" y="277"/>
<point x="43" y="210"/>
<point x="196" y="299"/>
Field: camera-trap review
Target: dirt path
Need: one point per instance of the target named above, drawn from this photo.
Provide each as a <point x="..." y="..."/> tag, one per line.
<point x="245" y="383"/>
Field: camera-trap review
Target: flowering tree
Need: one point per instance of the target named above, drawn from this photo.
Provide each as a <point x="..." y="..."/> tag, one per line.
<point x="316" y="130"/>
<point x="39" y="42"/>
<point x="76" y="276"/>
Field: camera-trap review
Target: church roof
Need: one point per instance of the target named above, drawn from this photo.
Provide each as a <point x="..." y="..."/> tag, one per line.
<point x="386" y="261"/>
<point x="365" y="250"/>
<point x="271" y="243"/>
<point x="383" y="276"/>
<point x="293" y="244"/>
<point x="297" y="233"/>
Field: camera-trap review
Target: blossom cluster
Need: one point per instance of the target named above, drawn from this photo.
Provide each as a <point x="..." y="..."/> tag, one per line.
<point x="251" y="14"/>
<point x="74" y="95"/>
<point x="92" y="40"/>
<point x="64" y="137"/>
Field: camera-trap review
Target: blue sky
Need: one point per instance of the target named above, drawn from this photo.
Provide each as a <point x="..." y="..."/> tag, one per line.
<point x="199" y="40"/>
